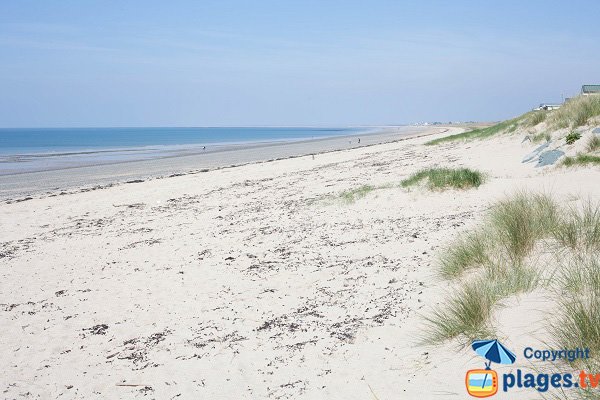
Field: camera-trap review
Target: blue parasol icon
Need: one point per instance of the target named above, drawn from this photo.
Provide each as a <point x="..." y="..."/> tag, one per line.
<point x="493" y="351"/>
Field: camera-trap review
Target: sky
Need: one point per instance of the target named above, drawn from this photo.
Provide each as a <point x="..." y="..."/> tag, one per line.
<point x="289" y="63"/>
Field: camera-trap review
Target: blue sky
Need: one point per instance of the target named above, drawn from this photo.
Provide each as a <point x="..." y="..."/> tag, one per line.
<point x="239" y="63"/>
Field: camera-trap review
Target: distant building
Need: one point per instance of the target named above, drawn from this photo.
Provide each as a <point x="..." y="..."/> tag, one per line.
<point x="547" y="107"/>
<point x="590" y="89"/>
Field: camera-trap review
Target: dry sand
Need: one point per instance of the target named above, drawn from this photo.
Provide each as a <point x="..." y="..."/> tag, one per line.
<point x="253" y="282"/>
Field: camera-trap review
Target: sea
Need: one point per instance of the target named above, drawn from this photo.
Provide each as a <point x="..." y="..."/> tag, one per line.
<point x="39" y="149"/>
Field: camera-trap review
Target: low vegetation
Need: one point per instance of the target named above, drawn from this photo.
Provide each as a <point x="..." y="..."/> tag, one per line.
<point x="506" y="126"/>
<point x="579" y="230"/>
<point x="580" y="160"/>
<point x="511" y="251"/>
<point x="433" y="178"/>
<point x="576" y="112"/>
<point x="593" y="144"/>
<point x="542" y="136"/>
<point x="443" y="178"/>
<point x="350" y="196"/>
<point x="537" y="118"/>
<point x="520" y="221"/>
<point x="467" y="312"/>
<point x="579" y="111"/>
<point x="512" y="227"/>
<point x="495" y="261"/>
<point x="469" y="251"/>
<point x="572" y="137"/>
<point x="578" y="324"/>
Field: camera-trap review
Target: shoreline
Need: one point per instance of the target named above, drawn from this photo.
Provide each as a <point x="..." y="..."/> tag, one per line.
<point x="23" y="186"/>
<point x="26" y="159"/>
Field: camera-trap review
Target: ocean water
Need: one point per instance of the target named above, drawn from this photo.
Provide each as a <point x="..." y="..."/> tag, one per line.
<point x="38" y="149"/>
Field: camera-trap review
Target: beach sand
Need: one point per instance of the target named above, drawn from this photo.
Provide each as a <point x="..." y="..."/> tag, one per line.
<point x="193" y="160"/>
<point x="256" y="281"/>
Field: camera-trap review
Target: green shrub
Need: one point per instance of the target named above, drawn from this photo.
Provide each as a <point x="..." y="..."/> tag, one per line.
<point x="572" y="137"/>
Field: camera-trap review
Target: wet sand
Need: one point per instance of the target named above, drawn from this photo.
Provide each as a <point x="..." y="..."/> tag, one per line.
<point x="31" y="184"/>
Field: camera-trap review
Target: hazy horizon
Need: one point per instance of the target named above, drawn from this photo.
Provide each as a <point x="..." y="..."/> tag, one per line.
<point x="278" y="64"/>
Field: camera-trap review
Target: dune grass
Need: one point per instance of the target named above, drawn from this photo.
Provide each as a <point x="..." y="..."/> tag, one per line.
<point x="579" y="325"/>
<point x="580" y="160"/>
<point x="542" y="136"/>
<point x="537" y="118"/>
<point x="593" y="144"/>
<point x="467" y="312"/>
<point x="579" y="230"/>
<point x="580" y="274"/>
<point x="350" y="196"/>
<point x="469" y="251"/>
<point x="580" y="305"/>
<point x="444" y="178"/>
<point x="480" y="133"/>
<point x="436" y="179"/>
<point x="497" y="254"/>
<point x="512" y="228"/>
<point x="520" y="221"/>
<point x="578" y="283"/>
<point x="576" y="112"/>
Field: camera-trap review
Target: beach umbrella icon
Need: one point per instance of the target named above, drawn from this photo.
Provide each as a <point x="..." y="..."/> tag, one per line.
<point x="493" y="351"/>
<point x="484" y="383"/>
